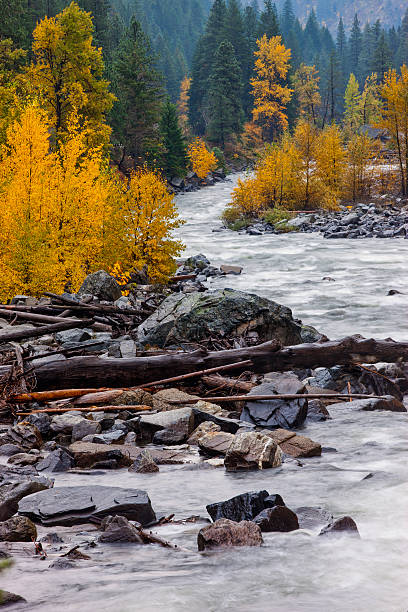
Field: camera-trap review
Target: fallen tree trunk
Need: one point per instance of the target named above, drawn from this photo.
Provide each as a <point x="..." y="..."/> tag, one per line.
<point x="37" y="332"/>
<point x="40" y="318"/>
<point x="229" y="384"/>
<point x="79" y="372"/>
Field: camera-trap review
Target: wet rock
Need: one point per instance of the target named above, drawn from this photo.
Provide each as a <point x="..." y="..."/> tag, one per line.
<point x="23" y="459"/>
<point x="252" y="450"/>
<point x="200" y="431"/>
<point x="342" y="525"/>
<point x="272" y="414"/>
<point x="85" y="427"/>
<point x="88" y="454"/>
<point x="217" y="314"/>
<point x="311" y="517"/>
<point x="24" y="435"/>
<point x="118" y="529"/>
<point x="199" y="261"/>
<point x="12" y="492"/>
<point x="317" y="411"/>
<point x="225" y="533"/>
<point x="244" y="507"/>
<point x="278" y="518"/>
<point x="215" y="442"/>
<point x="101" y="285"/>
<point x="8" y="450"/>
<point x="8" y="599"/>
<point x="226" y="269"/>
<point x="59" y="460"/>
<point x="52" y="538"/>
<point x="168" y="437"/>
<point x="273" y="500"/>
<point x="78" y="505"/>
<point x="162" y="399"/>
<point x="144" y="464"/>
<point x="179" y="422"/>
<point x="18" y="529"/>
<point x="64" y="423"/>
<point x="294" y="445"/>
<point x="41" y="421"/>
<point x="62" y="563"/>
<point x="388" y="403"/>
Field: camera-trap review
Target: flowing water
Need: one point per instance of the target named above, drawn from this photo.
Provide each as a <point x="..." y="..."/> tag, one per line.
<point x="365" y="477"/>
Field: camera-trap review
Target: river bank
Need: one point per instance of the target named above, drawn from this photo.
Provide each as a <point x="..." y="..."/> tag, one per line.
<point x="360" y="472"/>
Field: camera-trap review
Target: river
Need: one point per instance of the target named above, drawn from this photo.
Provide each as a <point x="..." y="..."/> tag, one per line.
<point x="296" y="572"/>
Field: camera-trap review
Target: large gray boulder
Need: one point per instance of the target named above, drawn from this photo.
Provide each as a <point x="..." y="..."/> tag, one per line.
<point x="274" y="414"/>
<point x="102" y="285"/>
<point x="218" y="314"/>
<point x="78" y="505"/>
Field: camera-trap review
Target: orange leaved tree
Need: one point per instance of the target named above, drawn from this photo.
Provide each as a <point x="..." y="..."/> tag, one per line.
<point x="202" y="160"/>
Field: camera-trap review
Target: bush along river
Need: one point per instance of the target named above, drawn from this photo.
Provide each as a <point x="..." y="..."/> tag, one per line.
<point x="161" y="497"/>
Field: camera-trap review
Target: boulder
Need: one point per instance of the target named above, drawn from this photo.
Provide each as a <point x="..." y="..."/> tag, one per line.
<point x="118" y="529"/>
<point x="7" y="598"/>
<point x="197" y="262"/>
<point x="252" y="450"/>
<point x="89" y="455"/>
<point x="41" y="421"/>
<point x="101" y="285"/>
<point x="200" y="431"/>
<point x="85" y="427"/>
<point x="272" y="414"/>
<point x="294" y="445"/>
<point x="227" y="269"/>
<point x="218" y="314"/>
<point x="244" y="507"/>
<point x="226" y="534"/>
<point x="18" y="529"/>
<point x="162" y="399"/>
<point x="311" y="517"/>
<point x="388" y="403"/>
<point x="342" y="525"/>
<point x="73" y="335"/>
<point x="78" y="505"/>
<point x="215" y="442"/>
<point x="278" y="518"/>
<point x="110" y="437"/>
<point x="64" y="423"/>
<point x="317" y="411"/>
<point x="12" y="492"/>
<point x="24" y="434"/>
<point x="179" y="421"/>
<point x="59" y="460"/>
<point x="284" y="382"/>
<point x="273" y="500"/>
<point x="144" y="464"/>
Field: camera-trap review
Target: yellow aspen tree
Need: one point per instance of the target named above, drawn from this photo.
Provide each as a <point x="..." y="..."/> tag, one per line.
<point x="358" y="173"/>
<point x="370" y="103"/>
<point x="271" y="95"/>
<point x="305" y="138"/>
<point x="182" y="105"/>
<point x="352" y="105"/>
<point x="305" y="83"/>
<point x="395" y="117"/>
<point x="149" y="215"/>
<point x="67" y="74"/>
<point x="330" y="164"/>
<point x="202" y="160"/>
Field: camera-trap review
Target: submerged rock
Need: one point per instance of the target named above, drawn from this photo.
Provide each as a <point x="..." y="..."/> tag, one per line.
<point x="311" y="517"/>
<point x="344" y="524"/>
<point x="77" y="505"/>
<point x="387" y="403"/>
<point x="252" y="450"/>
<point x="217" y="314"/>
<point x="226" y="534"/>
<point x="118" y="529"/>
<point x="278" y="518"/>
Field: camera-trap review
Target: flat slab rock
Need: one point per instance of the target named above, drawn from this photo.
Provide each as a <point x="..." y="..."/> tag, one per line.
<point x="77" y="505"/>
<point x="87" y="454"/>
<point x="294" y="445"/>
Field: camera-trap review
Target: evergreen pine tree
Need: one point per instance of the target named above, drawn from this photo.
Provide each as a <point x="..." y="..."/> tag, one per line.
<point x="312" y="38"/>
<point x="402" y="53"/>
<point x="175" y="152"/>
<point x="355" y="42"/>
<point x="268" y="21"/>
<point x="382" y="57"/>
<point x="138" y="86"/>
<point x="251" y="34"/>
<point x="341" y="48"/>
<point x="225" y="107"/>
<point x="287" y="19"/>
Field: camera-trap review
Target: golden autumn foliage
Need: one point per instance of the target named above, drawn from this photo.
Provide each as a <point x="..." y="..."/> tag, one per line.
<point x="305" y="83"/>
<point x="62" y="215"/>
<point x="202" y="160"/>
<point x="67" y="74"/>
<point x="182" y="105"/>
<point x="359" y="169"/>
<point x="395" y="117"/>
<point x="148" y="215"/>
<point x="271" y="95"/>
<point x="330" y="158"/>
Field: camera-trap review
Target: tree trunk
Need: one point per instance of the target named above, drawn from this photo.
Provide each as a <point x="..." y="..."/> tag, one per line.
<point x="80" y="372"/>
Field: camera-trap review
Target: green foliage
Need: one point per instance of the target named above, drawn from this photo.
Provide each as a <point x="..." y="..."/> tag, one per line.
<point x="276" y="215"/>
<point x="175" y="152"/>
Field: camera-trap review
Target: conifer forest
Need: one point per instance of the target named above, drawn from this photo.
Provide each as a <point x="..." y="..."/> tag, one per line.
<point x="203" y="305"/>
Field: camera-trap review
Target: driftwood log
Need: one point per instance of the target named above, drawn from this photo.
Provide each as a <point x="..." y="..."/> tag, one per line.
<point x="80" y="372"/>
<point x="36" y="332"/>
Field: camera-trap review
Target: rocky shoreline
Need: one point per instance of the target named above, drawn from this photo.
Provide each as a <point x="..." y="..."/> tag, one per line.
<point x="174" y="425"/>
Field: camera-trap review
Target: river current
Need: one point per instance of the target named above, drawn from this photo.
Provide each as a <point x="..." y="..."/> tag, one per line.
<point x="364" y="475"/>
